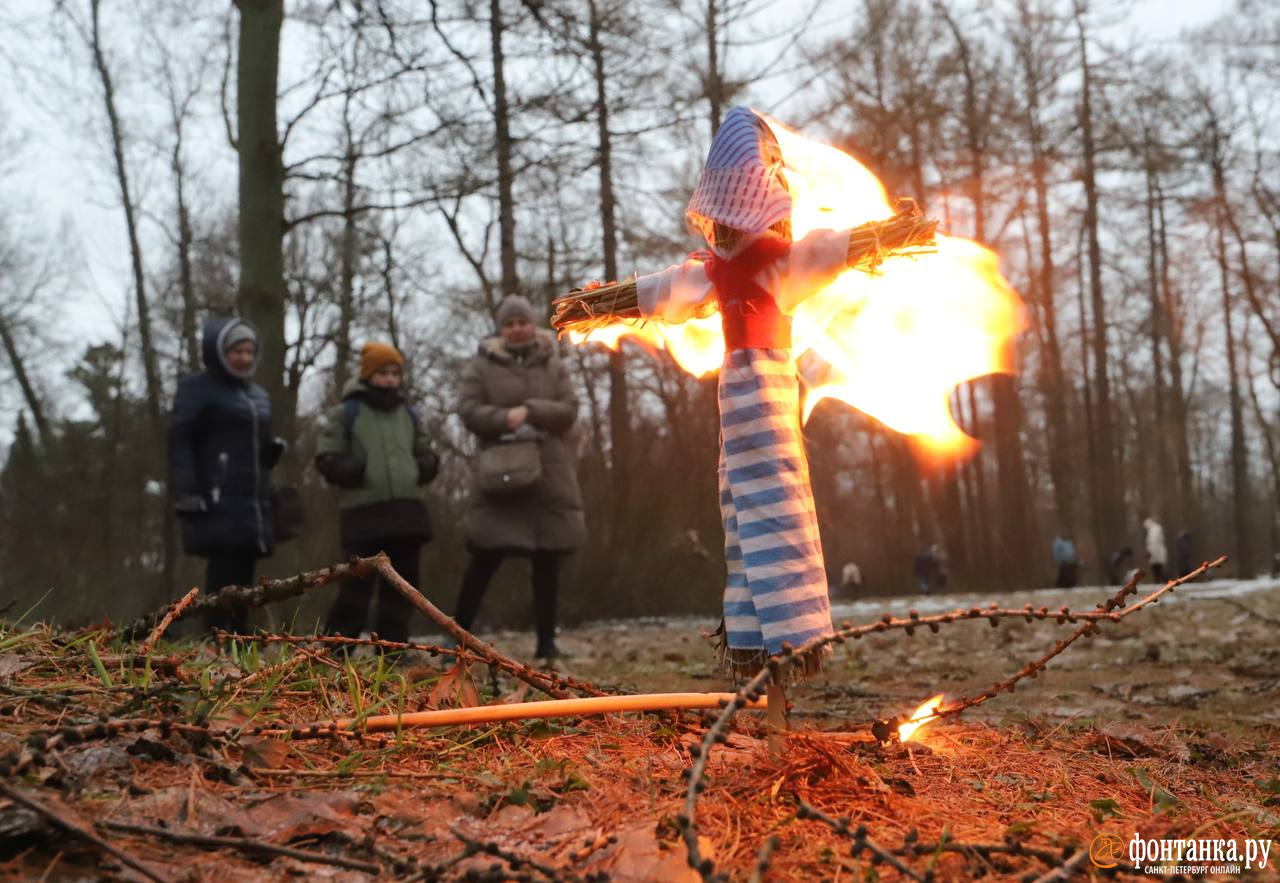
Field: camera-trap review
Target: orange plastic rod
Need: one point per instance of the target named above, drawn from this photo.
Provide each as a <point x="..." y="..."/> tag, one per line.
<point x="486" y="714"/>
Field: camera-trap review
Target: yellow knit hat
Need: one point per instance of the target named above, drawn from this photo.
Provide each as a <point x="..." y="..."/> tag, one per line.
<point x="378" y="355"/>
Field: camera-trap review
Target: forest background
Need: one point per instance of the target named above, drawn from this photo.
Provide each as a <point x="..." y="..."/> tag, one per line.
<point x="387" y="169"/>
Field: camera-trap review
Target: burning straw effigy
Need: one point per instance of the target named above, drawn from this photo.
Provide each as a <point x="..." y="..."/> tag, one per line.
<point x="907" y="232"/>
<point x="253" y="721"/>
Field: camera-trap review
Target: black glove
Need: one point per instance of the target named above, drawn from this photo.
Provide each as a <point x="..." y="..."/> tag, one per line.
<point x="272" y="451"/>
<point x="190" y="504"/>
<point x="341" y="471"/>
<point x="428" y="467"/>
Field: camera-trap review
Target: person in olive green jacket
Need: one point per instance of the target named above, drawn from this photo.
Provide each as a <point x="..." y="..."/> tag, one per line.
<point x="374" y="451"/>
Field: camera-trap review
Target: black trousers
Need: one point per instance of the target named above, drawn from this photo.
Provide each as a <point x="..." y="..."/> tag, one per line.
<point x="484" y="563"/>
<point x="349" y="610"/>
<point x="1067" y="575"/>
<point x="229" y="567"/>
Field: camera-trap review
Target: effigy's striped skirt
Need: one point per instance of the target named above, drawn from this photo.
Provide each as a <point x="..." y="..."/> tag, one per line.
<point x="777" y="584"/>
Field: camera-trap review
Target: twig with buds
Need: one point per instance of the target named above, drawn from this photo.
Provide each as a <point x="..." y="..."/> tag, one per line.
<point x="517" y="862"/>
<point x="243" y="844"/>
<point x="911" y="846"/>
<point x="39" y="743"/>
<point x="1112" y="610"/>
<point x="78" y="830"/>
<point x="1063" y="872"/>
<point x="174" y="611"/>
<point x="551" y="684"/>
<point x="861" y="842"/>
<point x="554" y="678"/>
<point x="267" y="591"/>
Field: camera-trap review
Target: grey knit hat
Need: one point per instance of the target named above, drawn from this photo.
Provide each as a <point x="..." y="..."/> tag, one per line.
<point x="514" y="305"/>
<point x="237" y="332"/>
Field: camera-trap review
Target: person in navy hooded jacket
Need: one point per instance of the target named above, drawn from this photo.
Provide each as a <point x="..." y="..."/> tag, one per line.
<point x="221" y="453"/>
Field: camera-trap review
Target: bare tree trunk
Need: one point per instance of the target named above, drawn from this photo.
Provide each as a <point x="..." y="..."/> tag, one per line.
<point x="594" y="409"/>
<point x="502" y="144"/>
<point x="979" y="511"/>
<point x="150" y="368"/>
<point x="1246" y="275"/>
<point x="186" y="284"/>
<point x="347" y="257"/>
<point x="1273" y="454"/>
<point x="262" y="286"/>
<point x="901" y="529"/>
<point x="1162" y="438"/>
<point x="1054" y="382"/>
<point x="619" y="405"/>
<point x="1016" y="518"/>
<point x="179" y="113"/>
<point x="151" y="372"/>
<point x="1239" y="455"/>
<point x="946" y="492"/>
<point x="34" y="404"/>
<point x="715" y="83"/>
<point x="886" y="542"/>
<point x="1214" y="150"/>
<point x="1104" y="544"/>
<point x="1110" y="508"/>
<point x="1269" y="204"/>
<point x="388" y="287"/>
<point x="1187" y="505"/>
<point x="966" y="508"/>
<point x="1029" y="40"/>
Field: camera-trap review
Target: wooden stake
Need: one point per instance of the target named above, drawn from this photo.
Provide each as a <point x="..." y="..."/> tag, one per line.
<point x="777" y="720"/>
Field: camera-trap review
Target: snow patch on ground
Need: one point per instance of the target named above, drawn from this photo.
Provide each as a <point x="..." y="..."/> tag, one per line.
<point x="867" y="610"/>
<point x="1079" y="598"/>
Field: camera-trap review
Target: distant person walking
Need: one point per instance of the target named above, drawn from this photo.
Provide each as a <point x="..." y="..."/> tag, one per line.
<point x="1182" y="550"/>
<point x="221" y="453"/>
<point x="374" y="451"/>
<point x="941" y="567"/>
<point x="1067" y="559"/>
<point x="1157" y="554"/>
<point x="1118" y="565"/>
<point x="924" y="568"/>
<point x="517" y="398"/>
<point x="850" y="579"/>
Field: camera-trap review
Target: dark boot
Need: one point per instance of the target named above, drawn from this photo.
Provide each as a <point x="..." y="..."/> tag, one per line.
<point x="547" y="649"/>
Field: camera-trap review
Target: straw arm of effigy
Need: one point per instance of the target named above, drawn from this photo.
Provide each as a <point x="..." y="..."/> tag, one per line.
<point x="907" y="231"/>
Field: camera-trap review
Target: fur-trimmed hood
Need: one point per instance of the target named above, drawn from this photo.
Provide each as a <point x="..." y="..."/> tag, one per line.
<point x="541" y="349"/>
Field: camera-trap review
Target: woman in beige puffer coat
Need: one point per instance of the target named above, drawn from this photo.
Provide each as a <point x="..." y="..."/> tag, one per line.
<point x="518" y="386"/>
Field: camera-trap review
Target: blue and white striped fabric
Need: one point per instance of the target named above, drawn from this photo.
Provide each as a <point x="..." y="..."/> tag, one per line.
<point x="740" y="185"/>
<point x="777" y="584"/>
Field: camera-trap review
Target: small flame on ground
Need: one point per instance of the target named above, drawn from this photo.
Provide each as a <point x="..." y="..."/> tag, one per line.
<point x="921" y="716"/>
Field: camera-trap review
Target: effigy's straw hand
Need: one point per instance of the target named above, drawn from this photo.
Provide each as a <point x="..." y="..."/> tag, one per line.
<point x="907" y="232"/>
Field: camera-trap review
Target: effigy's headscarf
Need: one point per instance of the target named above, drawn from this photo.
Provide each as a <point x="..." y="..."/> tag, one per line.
<point x="742" y="186"/>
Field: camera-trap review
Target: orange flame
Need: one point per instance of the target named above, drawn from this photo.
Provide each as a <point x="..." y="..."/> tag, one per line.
<point x="893" y="344"/>
<point x="921" y="716"/>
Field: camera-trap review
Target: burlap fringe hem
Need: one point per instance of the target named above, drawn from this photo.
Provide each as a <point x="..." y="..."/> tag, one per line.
<point x="741" y="664"/>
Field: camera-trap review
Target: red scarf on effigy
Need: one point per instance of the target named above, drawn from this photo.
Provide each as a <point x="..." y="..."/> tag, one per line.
<point x="749" y="313"/>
